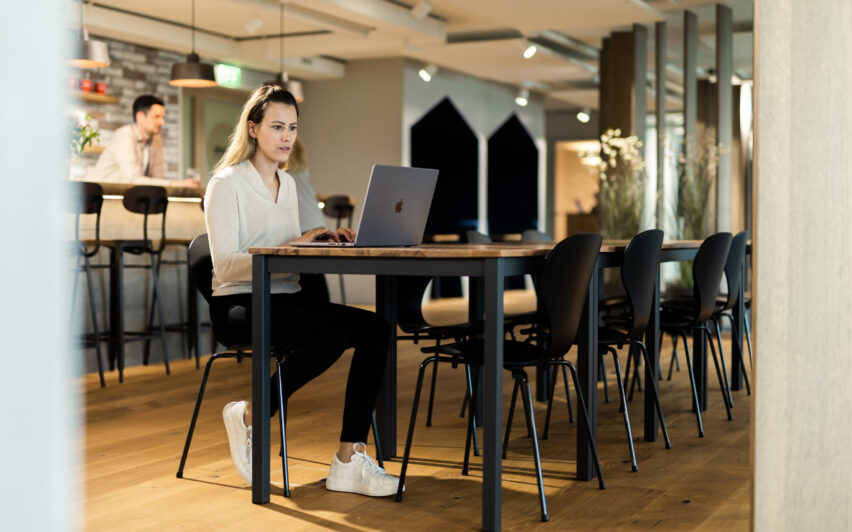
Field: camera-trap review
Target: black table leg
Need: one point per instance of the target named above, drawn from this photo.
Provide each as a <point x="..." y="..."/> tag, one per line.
<point x="260" y="391"/>
<point x="652" y="343"/>
<point x="587" y="368"/>
<point x="113" y="319"/>
<point x="493" y="396"/>
<point x="475" y="312"/>
<point x="386" y="302"/>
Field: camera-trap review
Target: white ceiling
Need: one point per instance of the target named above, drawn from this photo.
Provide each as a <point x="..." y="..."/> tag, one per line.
<point x="483" y="38"/>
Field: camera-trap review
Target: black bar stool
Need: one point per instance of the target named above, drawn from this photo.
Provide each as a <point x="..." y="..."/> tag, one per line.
<point x="87" y="199"/>
<point x="148" y="201"/>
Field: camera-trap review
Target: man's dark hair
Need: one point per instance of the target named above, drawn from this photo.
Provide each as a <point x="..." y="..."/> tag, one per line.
<point x="144" y="103"/>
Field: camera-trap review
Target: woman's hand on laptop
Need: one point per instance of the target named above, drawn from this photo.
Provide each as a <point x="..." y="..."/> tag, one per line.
<point x="345" y="234"/>
<point x="318" y="234"/>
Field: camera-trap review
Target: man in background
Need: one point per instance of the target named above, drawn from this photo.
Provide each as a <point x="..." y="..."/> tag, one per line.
<point x="135" y="153"/>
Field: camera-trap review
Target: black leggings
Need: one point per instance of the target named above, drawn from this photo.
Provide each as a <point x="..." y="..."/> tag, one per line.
<point x="321" y="332"/>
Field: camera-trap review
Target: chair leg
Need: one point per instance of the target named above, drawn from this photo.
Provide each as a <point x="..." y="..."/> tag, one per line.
<point x="411" y="424"/>
<point x="581" y="408"/>
<point x="470" y="392"/>
<point x="692" y="384"/>
<point x="377" y="441"/>
<point x="602" y="376"/>
<point x="673" y="361"/>
<point x="464" y="405"/>
<point x="524" y="382"/>
<point x="432" y="390"/>
<point x="146" y="356"/>
<point x="282" y="419"/>
<point x="633" y="465"/>
<point x="626" y="381"/>
<point x="195" y="412"/>
<point x="156" y="278"/>
<point x="738" y="340"/>
<point x="748" y="340"/>
<point x="511" y="416"/>
<point x="722" y="384"/>
<point x="93" y="312"/>
<point x="568" y="395"/>
<point x="471" y="425"/>
<point x="656" y="392"/>
<point x="551" y="392"/>
<point x="722" y="359"/>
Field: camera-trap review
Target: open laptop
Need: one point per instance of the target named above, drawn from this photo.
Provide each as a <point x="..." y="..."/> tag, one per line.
<point x="395" y="209"/>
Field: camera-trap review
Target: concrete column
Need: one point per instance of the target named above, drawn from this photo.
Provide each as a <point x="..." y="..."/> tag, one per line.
<point x="725" y="114"/>
<point x="690" y="76"/>
<point x="660" y="67"/>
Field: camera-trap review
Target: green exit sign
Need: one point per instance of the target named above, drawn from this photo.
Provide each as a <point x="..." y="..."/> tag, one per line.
<point x="227" y="75"/>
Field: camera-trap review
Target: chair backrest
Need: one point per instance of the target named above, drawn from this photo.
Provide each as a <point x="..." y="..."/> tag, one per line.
<point x="475" y="237"/>
<point x="639" y="269"/>
<point x="532" y="235"/>
<point x="707" y="271"/>
<point x="148" y="200"/>
<point x="733" y="268"/>
<point x="87" y="198"/>
<point x="409" y="311"/>
<point x="565" y="277"/>
<point x="201" y="266"/>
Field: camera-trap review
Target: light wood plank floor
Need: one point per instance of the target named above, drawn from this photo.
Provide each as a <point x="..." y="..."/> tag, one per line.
<point x="135" y="433"/>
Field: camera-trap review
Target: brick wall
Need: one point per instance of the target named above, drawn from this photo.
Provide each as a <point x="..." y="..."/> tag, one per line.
<point x="134" y="70"/>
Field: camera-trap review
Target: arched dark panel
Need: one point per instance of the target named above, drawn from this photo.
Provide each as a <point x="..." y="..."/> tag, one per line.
<point x="443" y="140"/>
<point x="512" y="179"/>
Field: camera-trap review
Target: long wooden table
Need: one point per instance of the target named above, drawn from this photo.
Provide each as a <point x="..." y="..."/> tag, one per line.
<point x="490" y="263"/>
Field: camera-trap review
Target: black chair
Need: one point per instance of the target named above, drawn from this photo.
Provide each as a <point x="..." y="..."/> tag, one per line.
<point x="149" y="201"/>
<point x="725" y="303"/>
<point x="682" y="316"/>
<point x="640" y="264"/>
<point x="564" y="277"/>
<point x="235" y="335"/>
<point x="87" y="199"/>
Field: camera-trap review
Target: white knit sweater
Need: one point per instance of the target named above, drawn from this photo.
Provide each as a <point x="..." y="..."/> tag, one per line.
<point x="240" y="214"/>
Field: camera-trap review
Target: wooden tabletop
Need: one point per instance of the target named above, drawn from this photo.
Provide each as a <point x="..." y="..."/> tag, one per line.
<point x="448" y="251"/>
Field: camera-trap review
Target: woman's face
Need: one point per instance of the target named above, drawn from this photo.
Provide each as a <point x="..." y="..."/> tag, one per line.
<point x="276" y="133"/>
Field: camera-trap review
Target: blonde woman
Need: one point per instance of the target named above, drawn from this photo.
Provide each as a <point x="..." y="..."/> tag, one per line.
<point x="250" y="202"/>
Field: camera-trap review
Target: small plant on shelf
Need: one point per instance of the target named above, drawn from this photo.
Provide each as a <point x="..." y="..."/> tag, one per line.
<point x="83" y="133"/>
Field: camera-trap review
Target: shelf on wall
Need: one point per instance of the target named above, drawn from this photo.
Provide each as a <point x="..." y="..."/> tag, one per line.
<point x="96" y="97"/>
<point x="93" y="149"/>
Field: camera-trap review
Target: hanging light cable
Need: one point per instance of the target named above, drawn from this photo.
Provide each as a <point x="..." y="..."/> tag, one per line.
<point x="90" y="54"/>
<point x="295" y="87"/>
<point x="193" y="73"/>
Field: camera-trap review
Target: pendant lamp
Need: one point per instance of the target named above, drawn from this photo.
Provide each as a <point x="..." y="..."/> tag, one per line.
<point x="294" y="87"/>
<point x="193" y="73"/>
<point x="89" y="54"/>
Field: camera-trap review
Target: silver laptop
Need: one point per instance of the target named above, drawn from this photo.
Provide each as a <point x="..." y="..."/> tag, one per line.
<point x="395" y="209"/>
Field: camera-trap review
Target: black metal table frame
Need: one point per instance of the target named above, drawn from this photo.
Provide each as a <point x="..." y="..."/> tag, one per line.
<point x="491" y="271"/>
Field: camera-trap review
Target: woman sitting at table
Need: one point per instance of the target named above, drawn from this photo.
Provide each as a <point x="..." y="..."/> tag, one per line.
<point x="250" y="202"/>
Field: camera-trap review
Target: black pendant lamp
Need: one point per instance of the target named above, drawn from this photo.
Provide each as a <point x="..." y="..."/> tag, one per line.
<point x="294" y="87"/>
<point x="89" y="54"/>
<point x="193" y="73"/>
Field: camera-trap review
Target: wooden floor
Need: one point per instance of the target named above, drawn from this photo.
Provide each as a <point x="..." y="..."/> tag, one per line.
<point x="135" y="432"/>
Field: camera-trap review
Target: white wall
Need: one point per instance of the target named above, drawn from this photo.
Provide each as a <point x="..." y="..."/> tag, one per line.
<point x="40" y="447"/>
<point x="803" y="235"/>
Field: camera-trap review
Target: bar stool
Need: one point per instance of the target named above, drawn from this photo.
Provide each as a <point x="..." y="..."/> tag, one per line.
<point x="339" y="207"/>
<point x="88" y="199"/>
<point x="148" y="201"/>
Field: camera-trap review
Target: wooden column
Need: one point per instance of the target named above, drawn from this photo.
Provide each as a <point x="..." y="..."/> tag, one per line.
<point x="640" y="76"/>
<point x="725" y="114"/>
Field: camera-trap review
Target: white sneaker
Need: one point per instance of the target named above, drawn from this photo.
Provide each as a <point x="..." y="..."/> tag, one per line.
<point x="361" y="475"/>
<point x="239" y="437"/>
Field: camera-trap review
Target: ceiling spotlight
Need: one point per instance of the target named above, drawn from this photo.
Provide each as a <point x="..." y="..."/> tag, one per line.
<point x="530" y="51"/>
<point x="523" y="97"/>
<point x="427" y="72"/>
<point x="253" y="24"/>
<point x="584" y="116"/>
<point x="421" y="10"/>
